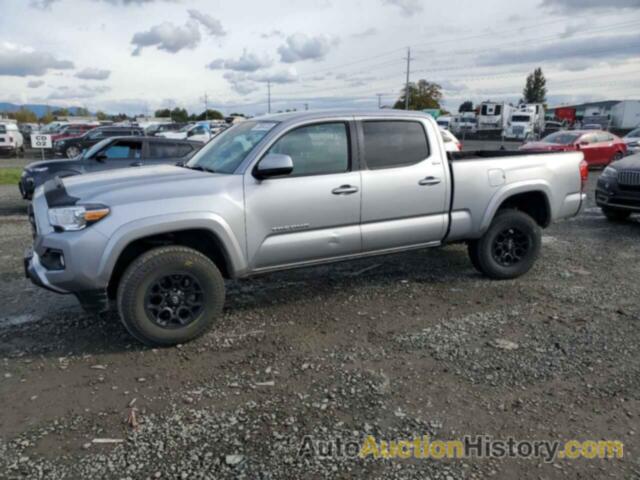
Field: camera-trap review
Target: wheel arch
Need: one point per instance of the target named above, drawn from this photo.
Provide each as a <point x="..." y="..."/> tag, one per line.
<point x="532" y="199"/>
<point x="205" y="235"/>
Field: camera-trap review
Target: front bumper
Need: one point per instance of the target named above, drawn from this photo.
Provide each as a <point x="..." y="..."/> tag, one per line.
<point x="610" y="195"/>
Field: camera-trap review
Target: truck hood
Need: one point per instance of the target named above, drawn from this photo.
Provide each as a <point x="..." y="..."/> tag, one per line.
<point x="131" y="185"/>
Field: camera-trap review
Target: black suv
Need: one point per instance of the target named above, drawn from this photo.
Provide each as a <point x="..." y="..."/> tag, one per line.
<point x="110" y="153"/>
<point x="618" y="189"/>
<point x="72" y="147"/>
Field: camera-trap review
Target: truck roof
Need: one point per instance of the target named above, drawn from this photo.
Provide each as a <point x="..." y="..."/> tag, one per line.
<point x="319" y="114"/>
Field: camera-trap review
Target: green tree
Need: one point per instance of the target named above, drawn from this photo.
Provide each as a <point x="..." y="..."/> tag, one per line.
<point x="163" y="113"/>
<point x="24" y="116"/>
<point x="60" y="112"/>
<point x="210" y="115"/>
<point x="535" y="90"/>
<point x="422" y="95"/>
<point x="179" y="115"/>
<point x="82" y="112"/>
<point x="47" y="118"/>
<point x="466" y="106"/>
<point x="100" y="115"/>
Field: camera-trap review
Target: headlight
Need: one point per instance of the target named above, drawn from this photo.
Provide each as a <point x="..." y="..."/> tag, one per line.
<point x="39" y="169"/>
<point x="76" y="218"/>
<point x="610" y="172"/>
<point x="59" y="143"/>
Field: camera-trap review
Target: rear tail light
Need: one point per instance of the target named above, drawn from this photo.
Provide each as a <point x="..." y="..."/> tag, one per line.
<point x="460" y="146"/>
<point x="584" y="174"/>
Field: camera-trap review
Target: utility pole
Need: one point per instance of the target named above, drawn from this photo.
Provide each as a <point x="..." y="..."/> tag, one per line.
<point x="268" y="96"/>
<point x="406" y="88"/>
<point x="379" y="95"/>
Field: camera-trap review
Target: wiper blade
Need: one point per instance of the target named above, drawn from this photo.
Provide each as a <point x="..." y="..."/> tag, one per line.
<point x="200" y="168"/>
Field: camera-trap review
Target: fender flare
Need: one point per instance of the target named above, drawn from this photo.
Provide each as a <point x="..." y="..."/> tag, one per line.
<point x="167" y="223"/>
<point x="510" y="190"/>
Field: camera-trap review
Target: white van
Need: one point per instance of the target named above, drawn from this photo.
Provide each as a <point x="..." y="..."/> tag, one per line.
<point x="11" y="140"/>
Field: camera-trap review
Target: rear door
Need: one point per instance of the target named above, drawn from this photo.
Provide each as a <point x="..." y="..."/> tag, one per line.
<point x="312" y="213"/>
<point x="404" y="184"/>
<point x="589" y="147"/>
<point x="161" y="153"/>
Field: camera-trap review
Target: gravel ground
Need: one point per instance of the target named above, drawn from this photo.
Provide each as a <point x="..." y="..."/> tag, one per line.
<point x="398" y="346"/>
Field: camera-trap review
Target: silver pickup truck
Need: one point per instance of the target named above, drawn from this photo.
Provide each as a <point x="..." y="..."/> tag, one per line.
<point x="288" y="191"/>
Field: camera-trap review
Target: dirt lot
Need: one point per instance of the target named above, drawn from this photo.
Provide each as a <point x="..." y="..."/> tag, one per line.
<point x="396" y="347"/>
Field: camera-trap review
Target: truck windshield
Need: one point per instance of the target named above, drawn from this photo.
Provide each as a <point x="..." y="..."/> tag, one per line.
<point x="520" y="118"/>
<point x="561" y="138"/>
<point x="225" y="152"/>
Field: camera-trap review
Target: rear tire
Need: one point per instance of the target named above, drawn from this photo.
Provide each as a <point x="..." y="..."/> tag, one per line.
<point x="170" y="295"/>
<point x="615" y="215"/>
<point x="616" y="157"/>
<point x="510" y="246"/>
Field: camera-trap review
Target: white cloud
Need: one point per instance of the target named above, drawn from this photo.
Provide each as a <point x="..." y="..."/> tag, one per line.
<point x="168" y="37"/>
<point x="77" y="93"/>
<point x="289" y="75"/>
<point x="35" y="83"/>
<point x="21" y="61"/>
<point x="408" y="7"/>
<point x="369" y="32"/>
<point x="248" y="62"/>
<point x="93" y="74"/>
<point x="212" y="25"/>
<point x="300" y="47"/>
<point x="42" y="4"/>
<point x="573" y="6"/>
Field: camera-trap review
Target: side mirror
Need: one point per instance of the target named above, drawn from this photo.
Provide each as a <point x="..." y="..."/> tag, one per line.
<point x="272" y="165"/>
<point x="101" y="157"/>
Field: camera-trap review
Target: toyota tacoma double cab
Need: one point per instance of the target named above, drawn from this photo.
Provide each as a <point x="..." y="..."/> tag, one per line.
<point x="282" y="192"/>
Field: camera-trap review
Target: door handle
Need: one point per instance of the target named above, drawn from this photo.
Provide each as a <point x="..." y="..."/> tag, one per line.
<point x="429" y="181"/>
<point x="136" y="164"/>
<point x="344" y="190"/>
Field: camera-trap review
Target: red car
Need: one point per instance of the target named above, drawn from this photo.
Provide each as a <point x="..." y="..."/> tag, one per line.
<point x="600" y="148"/>
<point x="72" y="130"/>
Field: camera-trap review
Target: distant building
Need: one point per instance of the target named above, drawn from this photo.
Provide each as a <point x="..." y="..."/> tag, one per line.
<point x="622" y="114"/>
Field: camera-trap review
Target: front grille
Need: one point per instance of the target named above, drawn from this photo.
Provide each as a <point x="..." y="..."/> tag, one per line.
<point x="518" y="130"/>
<point x="629" y="177"/>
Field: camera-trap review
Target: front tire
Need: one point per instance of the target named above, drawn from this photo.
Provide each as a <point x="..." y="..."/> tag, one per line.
<point x="615" y="215"/>
<point x="170" y="295"/>
<point x="510" y="246"/>
<point x="72" y="152"/>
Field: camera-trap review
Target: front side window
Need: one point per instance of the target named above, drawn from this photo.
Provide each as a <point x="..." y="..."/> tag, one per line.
<point x="227" y="150"/>
<point x="123" y="150"/>
<point x="390" y="144"/>
<point x="316" y="149"/>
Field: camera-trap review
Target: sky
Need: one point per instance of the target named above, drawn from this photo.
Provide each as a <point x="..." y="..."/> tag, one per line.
<point x="135" y="56"/>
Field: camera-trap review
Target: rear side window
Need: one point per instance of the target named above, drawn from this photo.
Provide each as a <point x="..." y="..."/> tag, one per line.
<point x="3" y="129"/>
<point x="163" y="150"/>
<point x="316" y="149"/>
<point x="389" y="144"/>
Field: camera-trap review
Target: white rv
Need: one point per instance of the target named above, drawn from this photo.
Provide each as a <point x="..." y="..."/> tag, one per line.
<point x="494" y="116"/>
<point x="526" y="122"/>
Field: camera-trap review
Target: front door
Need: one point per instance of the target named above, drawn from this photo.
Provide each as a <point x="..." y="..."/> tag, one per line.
<point x="404" y="187"/>
<point x="118" y="154"/>
<point x="314" y="212"/>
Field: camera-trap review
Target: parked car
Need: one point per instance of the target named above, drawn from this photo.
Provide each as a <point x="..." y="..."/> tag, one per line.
<point x="71" y="131"/>
<point x="599" y="147"/>
<point x="11" y="140"/>
<point x="591" y="126"/>
<point x="618" y="188"/>
<point x="199" y="132"/>
<point x="451" y="143"/>
<point x="157" y="128"/>
<point x="552" y="126"/>
<point x="108" y="154"/>
<point x="632" y="140"/>
<point x="26" y="129"/>
<point x="282" y="192"/>
<point x="72" y="147"/>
